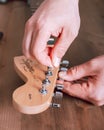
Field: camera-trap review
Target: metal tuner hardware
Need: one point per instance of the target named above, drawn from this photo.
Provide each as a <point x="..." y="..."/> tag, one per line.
<point x="55" y="105"/>
<point x="63" y="69"/>
<point x="49" y="71"/>
<point x="64" y="63"/>
<point x="43" y="89"/>
<point x="3" y="1"/>
<point x="59" y="86"/>
<point x="46" y="81"/>
<point x="58" y="95"/>
<point x="51" y="41"/>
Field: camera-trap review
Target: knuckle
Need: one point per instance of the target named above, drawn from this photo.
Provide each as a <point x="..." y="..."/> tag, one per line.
<point x="94" y="63"/>
<point x="40" y="24"/>
<point x="74" y="71"/>
<point x="28" y="24"/>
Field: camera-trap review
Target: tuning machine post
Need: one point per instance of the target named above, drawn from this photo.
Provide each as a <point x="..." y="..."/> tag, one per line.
<point x="46" y="81"/>
<point x="43" y="90"/>
<point x="49" y="71"/>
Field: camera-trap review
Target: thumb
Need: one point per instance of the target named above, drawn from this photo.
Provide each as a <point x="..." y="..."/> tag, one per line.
<point x="77" y="72"/>
<point x="60" y="48"/>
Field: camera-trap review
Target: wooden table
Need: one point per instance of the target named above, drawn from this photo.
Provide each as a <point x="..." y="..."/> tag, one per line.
<point x="74" y="114"/>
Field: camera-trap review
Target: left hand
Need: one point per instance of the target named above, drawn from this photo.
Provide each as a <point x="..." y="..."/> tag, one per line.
<point x="86" y="81"/>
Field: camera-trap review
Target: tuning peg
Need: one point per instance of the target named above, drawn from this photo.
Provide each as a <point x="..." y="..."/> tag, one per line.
<point x="64" y="63"/>
<point x="3" y="1"/>
<point x="63" y="69"/>
<point x="58" y="95"/>
<point x="55" y="105"/>
<point x="59" y="86"/>
<point x="51" y="41"/>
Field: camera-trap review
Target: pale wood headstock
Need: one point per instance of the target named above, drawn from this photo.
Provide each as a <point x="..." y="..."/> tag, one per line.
<point x="28" y="99"/>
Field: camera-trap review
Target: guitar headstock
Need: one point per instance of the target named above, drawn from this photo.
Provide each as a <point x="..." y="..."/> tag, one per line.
<point x="36" y="94"/>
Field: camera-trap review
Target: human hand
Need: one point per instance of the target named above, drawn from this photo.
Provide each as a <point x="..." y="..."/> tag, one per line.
<point x="86" y="81"/>
<point x="56" y="18"/>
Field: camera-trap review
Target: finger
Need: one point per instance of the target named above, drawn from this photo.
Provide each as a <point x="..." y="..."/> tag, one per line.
<point x="82" y="91"/>
<point x="61" y="47"/>
<point x="78" y="72"/>
<point x="39" y="46"/>
<point x="27" y="41"/>
<point x="76" y="90"/>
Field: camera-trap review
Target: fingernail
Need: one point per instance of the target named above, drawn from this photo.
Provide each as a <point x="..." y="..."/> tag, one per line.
<point x="56" y="62"/>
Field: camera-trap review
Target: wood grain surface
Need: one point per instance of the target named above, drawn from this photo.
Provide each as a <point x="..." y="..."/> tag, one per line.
<point x="74" y="114"/>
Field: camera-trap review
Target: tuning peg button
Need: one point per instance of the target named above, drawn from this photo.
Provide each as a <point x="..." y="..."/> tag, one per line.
<point x="59" y="86"/>
<point x="58" y="95"/>
<point x="55" y="105"/>
<point x="64" y="63"/>
<point x="63" y="69"/>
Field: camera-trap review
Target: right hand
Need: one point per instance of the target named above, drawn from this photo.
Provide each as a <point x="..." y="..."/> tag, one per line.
<point x="59" y="18"/>
<point x="86" y="81"/>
